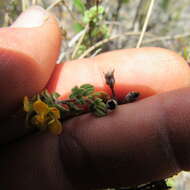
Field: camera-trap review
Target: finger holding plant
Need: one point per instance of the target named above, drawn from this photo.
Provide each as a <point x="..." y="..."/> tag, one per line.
<point x="150" y="71"/>
<point x="46" y="111"/>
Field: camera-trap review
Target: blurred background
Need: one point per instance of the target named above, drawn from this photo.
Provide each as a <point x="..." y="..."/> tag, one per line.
<point x="117" y="22"/>
<point x="90" y="27"/>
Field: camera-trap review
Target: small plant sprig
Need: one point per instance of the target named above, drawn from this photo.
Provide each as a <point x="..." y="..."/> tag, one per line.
<point x="93" y="15"/>
<point x="45" y="111"/>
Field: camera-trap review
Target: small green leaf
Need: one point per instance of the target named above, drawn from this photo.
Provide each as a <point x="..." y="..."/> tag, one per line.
<point x="126" y="1"/>
<point x="102" y="106"/>
<point x="93" y="15"/>
<point x="73" y="107"/>
<point x="86" y="86"/>
<point x="75" y="89"/>
<point x="98" y="107"/>
<point x="104" y="96"/>
<point x="80" y="101"/>
<point x="61" y="108"/>
<point x="97" y="101"/>
<point x="99" y="113"/>
<point x="165" y="4"/>
<point x="84" y="90"/>
<point x="55" y="95"/>
<point x="88" y="89"/>
<point x="78" y="27"/>
<point x="171" y="182"/>
<point x="76" y="92"/>
<point x="79" y="5"/>
<point x="46" y="97"/>
<point x="186" y="53"/>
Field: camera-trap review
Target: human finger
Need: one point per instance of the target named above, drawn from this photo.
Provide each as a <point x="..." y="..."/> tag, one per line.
<point x="28" y="53"/>
<point x="149" y="70"/>
<point x="137" y="143"/>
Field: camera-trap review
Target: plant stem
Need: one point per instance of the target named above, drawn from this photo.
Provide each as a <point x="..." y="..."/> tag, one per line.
<point x="54" y="4"/>
<point x="145" y="23"/>
<point x="100" y="43"/>
<point x="80" y="41"/>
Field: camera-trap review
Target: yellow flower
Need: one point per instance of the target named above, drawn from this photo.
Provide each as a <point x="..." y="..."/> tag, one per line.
<point x="39" y="119"/>
<point x="55" y="112"/>
<point x="27" y="106"/>
<point x="42" y="110"/>
<point x="55" y="127"/>
<point x="45" y="116"/>
<point x="40" y="107"/>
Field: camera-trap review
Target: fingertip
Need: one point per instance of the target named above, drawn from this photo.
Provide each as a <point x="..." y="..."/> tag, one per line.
<point x="28" y="53"/>
<point x="38" y="15"/>
<point x="147" y="70"/>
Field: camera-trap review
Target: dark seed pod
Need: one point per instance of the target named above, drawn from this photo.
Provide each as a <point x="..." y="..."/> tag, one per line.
<point x="111" y="104"/>
<point x="110" y="80"/>
<point x="131" y="97"/>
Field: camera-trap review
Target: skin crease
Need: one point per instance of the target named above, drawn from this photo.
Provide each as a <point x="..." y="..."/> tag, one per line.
<point x="142" y="141"/>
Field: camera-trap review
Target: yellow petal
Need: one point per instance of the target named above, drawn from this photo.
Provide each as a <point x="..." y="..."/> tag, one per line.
<point x="55" y="112"/>
<point x="40" y="107"/>
<point x="56" y="127"/>
<point x="39" y="119"/>
<point x="27" y="106"/>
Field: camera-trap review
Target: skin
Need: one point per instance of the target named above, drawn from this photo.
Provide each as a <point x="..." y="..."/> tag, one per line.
<point x="149" y="70"/>
<point x="19" y="58"/>
<point x="109" y="151"/>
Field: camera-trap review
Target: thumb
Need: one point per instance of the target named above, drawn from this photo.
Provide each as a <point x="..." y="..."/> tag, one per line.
<point x="38" y="15"/>
<point x="28" y="52"/>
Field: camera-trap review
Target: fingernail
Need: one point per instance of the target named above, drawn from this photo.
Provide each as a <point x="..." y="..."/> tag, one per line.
<point x="32" y="17"/>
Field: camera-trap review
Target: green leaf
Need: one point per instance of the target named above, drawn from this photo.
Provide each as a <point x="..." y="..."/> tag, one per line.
<point x="84" y="90"/>
<point x="79" y="5"/>
<point x="97" y="101"/>
<point x="126" y="1"/>
<point x="165" y="4"/>
<point x="186" y="53"/>
<point x="55" y="95"/>
<point x="82" y="48"/>
<point x="78" y="27"/>
<point x="73" y="107"/>
<point x="80" y="101"/>
<point x="103" y="95"/>
<point x="88" y="89"/>
<point x="98" y="108"/>
<point x="75" y="89"/>
<point x="171" y="182"/>
<point x="102" y="106"/>
<point x="93" y="15"/>
<point x="46" y="97"/>
<point x="86" y="86"/>
<point x="75" y="92"/>
<point x="99" y="113"/>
